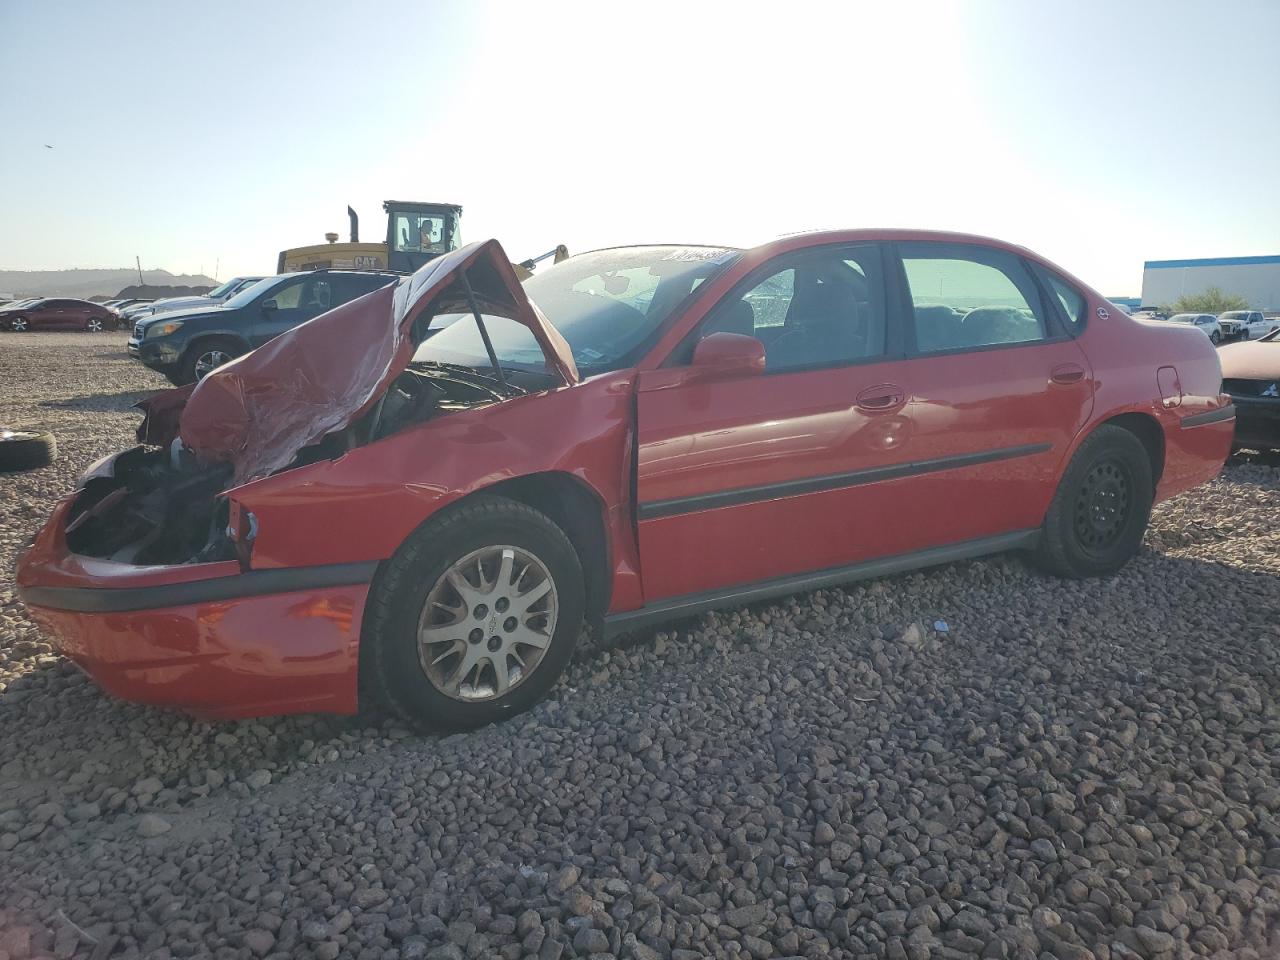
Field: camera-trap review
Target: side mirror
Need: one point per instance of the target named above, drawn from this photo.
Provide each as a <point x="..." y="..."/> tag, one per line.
<point x="269" y="305"/>
<point x="727" y="355"/>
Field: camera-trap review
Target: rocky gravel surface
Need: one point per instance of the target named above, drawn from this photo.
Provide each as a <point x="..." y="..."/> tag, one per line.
<point x="974" y="761"/>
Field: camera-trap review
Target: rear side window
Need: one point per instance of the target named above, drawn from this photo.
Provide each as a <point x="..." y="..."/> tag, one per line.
<point x="966" y="297"/>
<point x="1069" y="299"/>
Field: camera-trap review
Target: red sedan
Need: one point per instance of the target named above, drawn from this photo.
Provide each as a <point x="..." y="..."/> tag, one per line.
<point x="53" y="313"/>
<point x="432" y="488"/>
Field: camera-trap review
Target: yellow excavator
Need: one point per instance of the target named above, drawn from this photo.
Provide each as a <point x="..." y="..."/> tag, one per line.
<point x="416" y="232"/>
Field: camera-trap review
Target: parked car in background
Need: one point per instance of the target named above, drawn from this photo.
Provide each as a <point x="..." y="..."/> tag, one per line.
<point x="218" y="295"/>
<point x="185" y="345"/>
<point x="1207" y="323"/>
<point x="59" y="313"/>
<point x="354" y="506"/>
<point x="1251" y="376"/>
<point x="1149" y="313"/>
<point x="133" y="311"/>
<point x="1245" y="324"/>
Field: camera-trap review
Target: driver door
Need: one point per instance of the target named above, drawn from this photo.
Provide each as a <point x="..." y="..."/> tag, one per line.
<point x="747" y="479"/>
<point x="296" y="303"/>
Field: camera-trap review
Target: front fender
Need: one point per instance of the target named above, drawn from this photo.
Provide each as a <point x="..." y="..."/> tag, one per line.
<point x="363" y="505"/>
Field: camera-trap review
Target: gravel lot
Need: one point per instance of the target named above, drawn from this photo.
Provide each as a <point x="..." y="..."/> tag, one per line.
<point x="1071" y="770"/>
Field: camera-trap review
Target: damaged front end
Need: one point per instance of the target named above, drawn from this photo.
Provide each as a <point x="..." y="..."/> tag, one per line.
<point x="152" y="507"/>
<point x="341" y="381"/>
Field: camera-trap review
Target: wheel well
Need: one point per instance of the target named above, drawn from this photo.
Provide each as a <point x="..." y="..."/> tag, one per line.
<point x="1148" y="431"/>
<point x="203" y="338"/>
<point x="579" y="512"/>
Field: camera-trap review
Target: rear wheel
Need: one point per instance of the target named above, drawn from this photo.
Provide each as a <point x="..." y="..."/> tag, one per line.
<point x="1099" y="513"/>
<point x="475" y="618"/>
<point x="204" y="357"/>
<point x="19" y="325"/>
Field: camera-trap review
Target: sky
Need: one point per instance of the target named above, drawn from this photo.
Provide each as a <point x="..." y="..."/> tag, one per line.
<point x="203" y="136"/>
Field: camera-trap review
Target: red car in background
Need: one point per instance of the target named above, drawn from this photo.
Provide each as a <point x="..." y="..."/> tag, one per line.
<point x="58" y="313"/>
<point x="432" y="488"/>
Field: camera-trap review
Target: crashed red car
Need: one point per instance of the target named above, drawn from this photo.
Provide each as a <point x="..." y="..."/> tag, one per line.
<point x="651" y="432"/>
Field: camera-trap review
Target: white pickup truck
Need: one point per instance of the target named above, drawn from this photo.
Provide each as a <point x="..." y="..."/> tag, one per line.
<point x="1245" y="324"/>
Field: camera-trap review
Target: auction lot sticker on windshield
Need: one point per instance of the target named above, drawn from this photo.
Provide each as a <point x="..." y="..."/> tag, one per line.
<point x="699" y="253"/>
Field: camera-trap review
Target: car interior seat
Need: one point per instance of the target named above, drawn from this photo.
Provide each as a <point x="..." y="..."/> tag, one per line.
<point x="739" y="317"/>
<point x="984" y="325"/>
<point x="821" y="325"/>
<point x="937" y="328"/>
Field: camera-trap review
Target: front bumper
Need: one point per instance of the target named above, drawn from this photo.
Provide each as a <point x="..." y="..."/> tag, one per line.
<point x="158" y="354"/>
<point x="1258" y="422"/>
<point x="205" y="638"/>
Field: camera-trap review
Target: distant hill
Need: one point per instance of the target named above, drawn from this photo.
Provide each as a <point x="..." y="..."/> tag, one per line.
<point x="85" y="284"/>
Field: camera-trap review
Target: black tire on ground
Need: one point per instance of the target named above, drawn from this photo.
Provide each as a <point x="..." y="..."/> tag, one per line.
<point x="390" y="666"/>
<point x="26" y="449"/>
<point x="1215" y="338"/>
<point x="1244" y="334"/>
<point x="19" y="324"/>
<point x="95" y="325"/>
<point x="198" y="352"/>
<point x="1098" y="516"/>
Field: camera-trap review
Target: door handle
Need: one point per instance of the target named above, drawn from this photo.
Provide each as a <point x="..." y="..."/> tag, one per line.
<point x="1067" y="373"/>
<point x="882" y="398"/>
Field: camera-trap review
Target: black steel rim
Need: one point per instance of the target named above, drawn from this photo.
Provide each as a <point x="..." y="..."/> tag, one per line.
<point x="1103" y="505"/>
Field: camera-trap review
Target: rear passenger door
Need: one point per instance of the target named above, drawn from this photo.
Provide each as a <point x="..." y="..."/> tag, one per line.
<point x="999" y="388"/>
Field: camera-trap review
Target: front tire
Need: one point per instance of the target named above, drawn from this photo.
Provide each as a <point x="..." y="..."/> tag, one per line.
<point x="475" y="617"/>
<point x="204" y="357"/>
<point x="94" y="325"/>
<point x="1099" y="514"/>
<point x="1215" y="338"/>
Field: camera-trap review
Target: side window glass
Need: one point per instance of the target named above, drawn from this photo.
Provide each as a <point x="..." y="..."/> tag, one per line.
<point x="967" y="296"/>
<point x="813" y="310"/>
<point x="1071" y="301"/>
<point x="289" y="297"/>
<point x="318" y="295"/>
<point x="770" y="300"/>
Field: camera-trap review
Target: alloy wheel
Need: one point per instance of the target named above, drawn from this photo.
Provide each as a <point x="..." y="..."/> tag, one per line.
<point x="1103" y="505"/>
<point x="487" y="623"/>
<point x="210" y="360"/>
<point x="94" y="325"/>
<point x="19" y="325"/>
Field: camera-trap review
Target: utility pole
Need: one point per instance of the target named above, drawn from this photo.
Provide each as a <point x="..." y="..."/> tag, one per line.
<point x="138" y="261"/>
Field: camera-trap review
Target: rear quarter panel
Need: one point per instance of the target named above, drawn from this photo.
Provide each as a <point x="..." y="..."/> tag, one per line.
<point x="1126" y="355"/>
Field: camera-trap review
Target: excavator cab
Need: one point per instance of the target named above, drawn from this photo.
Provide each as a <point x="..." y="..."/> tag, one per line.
<point x="418" y="232"/>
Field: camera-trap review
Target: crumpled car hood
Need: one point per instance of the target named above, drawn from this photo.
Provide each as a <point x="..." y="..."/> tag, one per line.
<point x="259" y="410"/>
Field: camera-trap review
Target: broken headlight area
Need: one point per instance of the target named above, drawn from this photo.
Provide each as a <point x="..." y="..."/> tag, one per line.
<point x="154" y="506"/>
<point x="159" y="505"/>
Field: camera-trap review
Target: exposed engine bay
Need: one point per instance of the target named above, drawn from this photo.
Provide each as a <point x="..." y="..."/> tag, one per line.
<point x="159" y="505"/>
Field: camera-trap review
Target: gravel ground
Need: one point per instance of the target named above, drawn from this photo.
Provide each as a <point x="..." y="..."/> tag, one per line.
<point x="1070" y="770"/>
